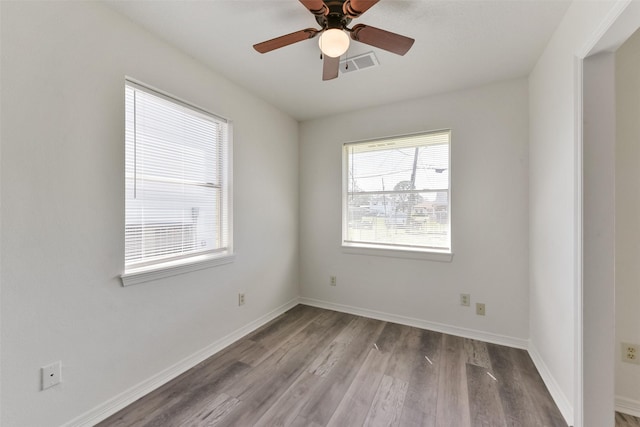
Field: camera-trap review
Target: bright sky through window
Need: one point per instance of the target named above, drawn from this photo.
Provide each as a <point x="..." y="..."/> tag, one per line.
<point x="176" y="181"/>
<point x="397" y="193"/>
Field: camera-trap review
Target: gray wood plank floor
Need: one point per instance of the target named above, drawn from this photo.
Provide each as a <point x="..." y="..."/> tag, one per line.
<point x="314" y="367"/>
<point x="624" y="420"/>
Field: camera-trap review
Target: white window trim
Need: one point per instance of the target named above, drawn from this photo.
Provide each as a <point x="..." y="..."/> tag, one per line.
<point x="389" y="251"/>
<point x="381" y="250"/>
<point x="174" y="268"/>
<point x="196" y="262"/>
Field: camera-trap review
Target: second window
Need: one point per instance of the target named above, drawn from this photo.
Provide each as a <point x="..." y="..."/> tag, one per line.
<point x="396" y="193"/>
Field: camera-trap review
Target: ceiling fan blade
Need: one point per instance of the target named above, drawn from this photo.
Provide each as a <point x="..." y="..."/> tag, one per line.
<point x="355" y="8"/>
<point x="330" y="67"/>
<point x="317" y="7"/>
<point x="382" y="39"/>
<point x="286" y="40"/>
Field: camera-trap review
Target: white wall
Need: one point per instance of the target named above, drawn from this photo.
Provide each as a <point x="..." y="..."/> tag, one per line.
<point x="626" y="215"/>
<point x="63" y="68"/>
<point x="555" y="188"/>
<point x="489" y="214"/>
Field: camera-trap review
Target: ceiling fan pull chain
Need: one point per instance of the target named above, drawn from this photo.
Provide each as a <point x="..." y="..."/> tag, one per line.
<point x="346" y="59"/>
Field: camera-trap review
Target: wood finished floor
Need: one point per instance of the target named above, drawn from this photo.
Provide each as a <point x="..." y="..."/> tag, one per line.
<point x="624" y="420"/>
<point x="314" y="367"/>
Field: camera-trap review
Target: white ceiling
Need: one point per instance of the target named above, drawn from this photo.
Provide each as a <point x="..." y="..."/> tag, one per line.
<point x="459" y="44"/>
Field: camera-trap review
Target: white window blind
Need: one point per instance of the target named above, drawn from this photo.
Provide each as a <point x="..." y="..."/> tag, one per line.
<point x="177" y="189"/>
<point x="396" y="193"/>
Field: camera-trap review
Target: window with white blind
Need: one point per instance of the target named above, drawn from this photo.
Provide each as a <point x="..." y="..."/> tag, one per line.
<point x="177" y="186"/>
<point x="396" y="193"/>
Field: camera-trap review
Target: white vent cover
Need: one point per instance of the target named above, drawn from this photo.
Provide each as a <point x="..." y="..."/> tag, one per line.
<point x="358" y="62"/>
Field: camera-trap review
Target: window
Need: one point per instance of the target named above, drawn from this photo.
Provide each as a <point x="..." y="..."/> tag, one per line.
<point x="396" y="193"/>
<point x="177" y="192"/>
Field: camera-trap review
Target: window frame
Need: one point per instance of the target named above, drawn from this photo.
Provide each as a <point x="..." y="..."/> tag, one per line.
<point x="393" y="250"/>
<point x="199" y="260"/>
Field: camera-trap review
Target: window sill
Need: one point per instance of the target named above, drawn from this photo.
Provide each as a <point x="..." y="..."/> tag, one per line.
<point x="427" y="255"/>
<point x="160" y="271"/>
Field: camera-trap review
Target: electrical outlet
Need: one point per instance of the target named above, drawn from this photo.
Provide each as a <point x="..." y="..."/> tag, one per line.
<point x="480" y="309"/>
<point x="631" y="353"/>
<point x="51" y="375"/>
<point x="333" y="280"/>
<point x="241" y="299"/>
<point x="465" y="299"/>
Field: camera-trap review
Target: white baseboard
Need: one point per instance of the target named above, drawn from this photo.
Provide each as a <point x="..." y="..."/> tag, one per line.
<point x="628" y="406"/>
<point x="420" y="323"/>
<point x="564" y="404"/>
<point x="129" y="396"/>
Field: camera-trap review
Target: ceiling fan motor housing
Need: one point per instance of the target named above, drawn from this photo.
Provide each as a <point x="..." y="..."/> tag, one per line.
<point x="336" y="16"/>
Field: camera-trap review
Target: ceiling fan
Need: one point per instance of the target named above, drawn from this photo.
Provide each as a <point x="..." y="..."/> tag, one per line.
<point x="334" y="16"/>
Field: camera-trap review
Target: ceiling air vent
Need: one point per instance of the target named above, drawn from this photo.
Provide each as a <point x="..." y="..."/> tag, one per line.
<point x="359" y="62"/>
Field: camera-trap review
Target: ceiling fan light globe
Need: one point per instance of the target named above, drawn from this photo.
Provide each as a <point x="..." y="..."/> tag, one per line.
<point x="333" y="42"/>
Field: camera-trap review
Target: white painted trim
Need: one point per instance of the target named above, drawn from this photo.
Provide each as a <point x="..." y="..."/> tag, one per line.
<point x="110" y="407"/>
<point x="603" y="39"/>
<point x="361" y="249"/>
<point x="628" y="406"/>
<point x="578" y="395"/>
<point x="169" y="269"/>
<point x="558" y="396"/>
<point x="420" y="323"/>
<point x="593" y="45"/>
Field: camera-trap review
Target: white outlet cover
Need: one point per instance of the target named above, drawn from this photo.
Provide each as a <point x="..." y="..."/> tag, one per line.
<point x="465" y="300"/>
<point x="635" y="351"/>
<point x="480" y="309"/>
<point x="51" y="375"/>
